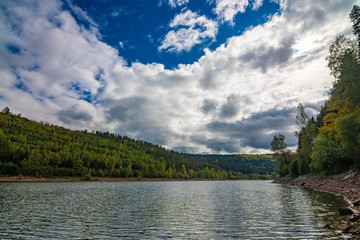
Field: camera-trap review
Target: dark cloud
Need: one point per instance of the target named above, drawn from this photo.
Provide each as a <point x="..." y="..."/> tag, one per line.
<point x="139" y="118"/>
<point x="208" y="106"/>
<point x="125" y="109"/>
<point x="218" y="145"/>
<point x="231" y="108"/>
<point x="258" y="130"/>
<point x="266" y="57"/>
<point x="185" y="149"/>
<point x="208" y="81"/>
<point x="72" y="115"/>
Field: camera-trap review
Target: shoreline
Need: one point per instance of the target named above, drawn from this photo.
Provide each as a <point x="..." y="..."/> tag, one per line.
<point x="346" y="185"/>
<point x="108" y="179"/>
<point x="81" y="179"/>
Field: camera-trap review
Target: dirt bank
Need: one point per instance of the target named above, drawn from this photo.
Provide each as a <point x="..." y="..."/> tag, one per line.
<point x="345" y="184"/>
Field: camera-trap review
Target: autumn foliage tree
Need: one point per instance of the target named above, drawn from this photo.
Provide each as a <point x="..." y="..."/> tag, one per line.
<point x="331" y="143"/>
<point x="337" y="145"/>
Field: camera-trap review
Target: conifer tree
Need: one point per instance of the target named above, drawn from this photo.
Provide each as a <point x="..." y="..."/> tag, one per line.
<point x="355" y="19"/>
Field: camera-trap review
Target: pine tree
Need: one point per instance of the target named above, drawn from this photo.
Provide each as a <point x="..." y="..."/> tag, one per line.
<point x="355" y="19"/>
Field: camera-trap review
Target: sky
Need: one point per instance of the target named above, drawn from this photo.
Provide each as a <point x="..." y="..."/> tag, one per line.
<point x="210" y="76"/>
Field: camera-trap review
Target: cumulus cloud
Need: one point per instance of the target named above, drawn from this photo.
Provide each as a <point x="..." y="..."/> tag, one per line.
<point x="233" y="99"/>
<point x="140" y="119"/>
<point x="265" y="56"/>
<point x="70" y="115"/>
<point x="58" y="63"/>
<point x="258" y="130"/>
<point x="231" y="107"/>
<point x="227" y="9"/>
<point x="190" y="29"/>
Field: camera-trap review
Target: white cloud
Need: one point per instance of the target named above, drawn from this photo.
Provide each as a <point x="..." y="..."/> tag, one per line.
<point x="173" y="3"/>
<point x="81" y="14"/>
<point x="190" y="29"/>
<point x="227" y="9"/>
<point x="257" y="4"/>
<point x="232" y="99"/>
<point x="59" y="64"/>
<point x="177" y="3"/>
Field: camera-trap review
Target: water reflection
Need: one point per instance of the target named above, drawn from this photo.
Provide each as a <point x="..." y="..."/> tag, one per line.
<point x="164" y="210"/>
<point x="189" y="210"/>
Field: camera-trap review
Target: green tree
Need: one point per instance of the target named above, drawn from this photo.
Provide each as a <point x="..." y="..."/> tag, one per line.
<point x="5" y="149"/>
<point x="306" y="133"/>
<point x="337" y="146"/>
<point x="78" y="166"/>
<point x="347" y="87"/>
<point x="183" y="171"/>
<point x="169" y="173"/>
<point x="338" y="49"/>
<point x="160" y="167"/>
<point x="6" y="111"/>
<point x="278" y="144"/>
<point x="11" y="168"/>
<point x="355" y="19"/>
<point x="348" y="130"/>
<point x="283" y="155"/>
<point x="127" y="172"/>
<point x="306" y="125"/>
<point x="151" y="170"/>
<point x="326" y="157"/>
<point x="294" y="169"/>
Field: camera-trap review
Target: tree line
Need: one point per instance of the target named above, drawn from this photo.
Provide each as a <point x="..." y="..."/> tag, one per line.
<point x="329" y="143"/>
<point x="41" y="149"/>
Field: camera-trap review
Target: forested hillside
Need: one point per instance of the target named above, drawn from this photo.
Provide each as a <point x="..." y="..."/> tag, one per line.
<point x="40" y="149"/>
<point x="253" y="164"/>
<point x="330" y="143"/>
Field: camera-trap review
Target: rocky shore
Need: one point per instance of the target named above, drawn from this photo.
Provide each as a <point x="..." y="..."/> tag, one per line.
<point x="346" y="185"/>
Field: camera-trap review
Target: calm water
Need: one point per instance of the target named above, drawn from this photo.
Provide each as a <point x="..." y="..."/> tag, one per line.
<point x="165" y="210"/>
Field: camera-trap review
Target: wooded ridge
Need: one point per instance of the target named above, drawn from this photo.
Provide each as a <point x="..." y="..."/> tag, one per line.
<point x="41" y="149"/>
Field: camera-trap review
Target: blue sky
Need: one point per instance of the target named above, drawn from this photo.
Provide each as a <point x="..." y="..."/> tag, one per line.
<point x="138" y="28"/>
<point x="216" y="76"/>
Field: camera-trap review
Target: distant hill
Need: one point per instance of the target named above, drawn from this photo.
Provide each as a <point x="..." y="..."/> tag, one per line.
<point x="246" y="163"/>
<point x="41" y="149"/>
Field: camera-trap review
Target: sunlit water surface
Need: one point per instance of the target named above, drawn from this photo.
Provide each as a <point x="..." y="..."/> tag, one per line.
<point x="165" y="210"/>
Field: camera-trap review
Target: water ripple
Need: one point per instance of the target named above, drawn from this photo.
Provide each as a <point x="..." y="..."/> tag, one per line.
<point x="165" y="210"/>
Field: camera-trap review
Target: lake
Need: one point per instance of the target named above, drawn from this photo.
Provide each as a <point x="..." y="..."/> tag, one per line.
<point x="165" y="210"/>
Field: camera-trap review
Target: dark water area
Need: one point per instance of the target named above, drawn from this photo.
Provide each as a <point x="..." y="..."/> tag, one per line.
<point x="165" y="210"/>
